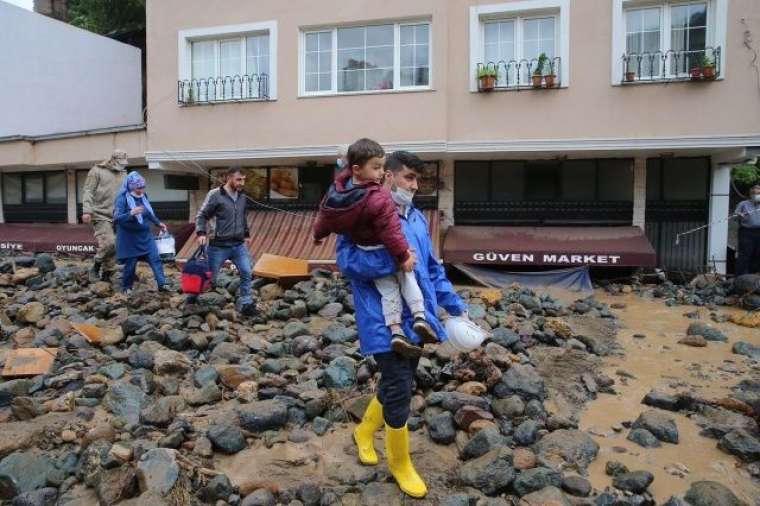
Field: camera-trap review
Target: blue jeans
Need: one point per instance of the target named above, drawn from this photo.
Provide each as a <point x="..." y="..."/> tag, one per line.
<point x="238" y="255"/>
<point x="395" y="388"/>
<point x="130" y="265"/>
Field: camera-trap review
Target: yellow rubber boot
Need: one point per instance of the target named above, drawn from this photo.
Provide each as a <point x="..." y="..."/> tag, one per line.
<point x="364" y="433"/>
<point x="400" y="463"/>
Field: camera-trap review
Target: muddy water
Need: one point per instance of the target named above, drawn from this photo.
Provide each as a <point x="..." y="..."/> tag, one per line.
<point x="657" y="361"/>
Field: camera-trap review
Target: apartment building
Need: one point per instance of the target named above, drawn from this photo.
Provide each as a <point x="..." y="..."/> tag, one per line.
<point x="556" y="132"/>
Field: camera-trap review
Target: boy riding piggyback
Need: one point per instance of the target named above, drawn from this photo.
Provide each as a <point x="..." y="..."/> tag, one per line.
<point x="358" y="206"/>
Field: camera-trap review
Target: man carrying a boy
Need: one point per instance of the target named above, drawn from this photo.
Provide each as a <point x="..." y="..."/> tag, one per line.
<point x="391" y="406"/>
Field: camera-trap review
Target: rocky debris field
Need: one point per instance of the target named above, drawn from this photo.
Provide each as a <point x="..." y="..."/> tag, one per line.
<point x="151" y="403"/>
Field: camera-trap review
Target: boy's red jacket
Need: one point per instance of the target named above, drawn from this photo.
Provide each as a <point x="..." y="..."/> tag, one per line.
<point x="365" y="213"/>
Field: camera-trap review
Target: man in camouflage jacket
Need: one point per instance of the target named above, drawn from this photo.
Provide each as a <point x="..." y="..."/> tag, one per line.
<point x="100" y="190"/>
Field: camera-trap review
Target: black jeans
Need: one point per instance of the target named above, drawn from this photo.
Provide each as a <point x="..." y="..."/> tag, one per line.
<point x="395" y="388"/>
<point x="749" y="251"/>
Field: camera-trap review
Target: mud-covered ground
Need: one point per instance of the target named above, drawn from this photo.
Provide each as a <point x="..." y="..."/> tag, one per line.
<point x="198" y="405"/>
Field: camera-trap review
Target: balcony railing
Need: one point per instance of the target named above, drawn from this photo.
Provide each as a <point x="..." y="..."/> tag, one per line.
<point x="254" y="87"/>
<point x="669" y="66"/>
<point x="520" y="74"/>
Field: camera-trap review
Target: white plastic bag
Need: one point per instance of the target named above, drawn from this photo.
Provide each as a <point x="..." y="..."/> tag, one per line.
<point x="165" y="245"/>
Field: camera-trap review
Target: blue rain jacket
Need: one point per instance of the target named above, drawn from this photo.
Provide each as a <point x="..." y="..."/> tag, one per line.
<point x="362" y="267"/>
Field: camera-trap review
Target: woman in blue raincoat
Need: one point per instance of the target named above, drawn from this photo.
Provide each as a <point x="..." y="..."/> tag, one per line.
<point x="133" y="216"/>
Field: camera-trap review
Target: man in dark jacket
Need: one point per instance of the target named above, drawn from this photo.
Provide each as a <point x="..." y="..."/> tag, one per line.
<point x="227" y="204"/>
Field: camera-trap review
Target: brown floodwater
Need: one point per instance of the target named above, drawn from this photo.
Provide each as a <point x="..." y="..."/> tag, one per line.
<point x="657" y="361"/>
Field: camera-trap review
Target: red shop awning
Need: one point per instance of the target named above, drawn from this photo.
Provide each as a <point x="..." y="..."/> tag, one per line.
<point x="550" y="246"/>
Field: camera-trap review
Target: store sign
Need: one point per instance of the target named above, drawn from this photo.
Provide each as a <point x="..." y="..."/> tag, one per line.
<point x="75" y="248"/>
<point x="495" y="257"/>
<point x="11" y="246"/>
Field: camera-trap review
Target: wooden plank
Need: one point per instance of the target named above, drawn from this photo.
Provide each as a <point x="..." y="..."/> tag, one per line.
<point x="93" y="334"/>
<point x="281" y="268"/>
<point x="29" y="362"/>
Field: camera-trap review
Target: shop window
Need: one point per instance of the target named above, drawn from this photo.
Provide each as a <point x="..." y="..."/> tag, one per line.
<point x="654" y="179"/>
<point x="34" y="188"/>
<point x="472" y="180"/>
<point x="510" y="181"/>
<point x="56" y="188"/>
<point x="314" y="182"/>
<point x="675" y="179"/>
<point x="615" y="180"/>
<point x="12" y="189"/>
<point x="542" y="180"/>
<point x="685" y="178"/>
<point x="578" y="180"/>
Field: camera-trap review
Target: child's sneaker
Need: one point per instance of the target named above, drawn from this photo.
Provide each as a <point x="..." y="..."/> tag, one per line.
<point x="425" y="331"/>
<point x="401" y="345"/>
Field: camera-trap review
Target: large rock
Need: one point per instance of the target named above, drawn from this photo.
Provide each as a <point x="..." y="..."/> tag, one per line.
<point x="708" y="332"/>
<point x="526" y="433"/>
<point x="170" y="362"/>
<point x="568" y="446"/>
<point x="742" y="444"/>
<point x="163" y="411"/>
<point x="636" y="482"/>
<point x="522" y="380"/>
<point x="454" y="401"/>
<point x="158" y="471"/>
<point x="491" y="473"/>
<point x="226" y="438"/>
<point x="549" y="496"/>
<point x="31" y="312"/>
<point x="644" y="438"/>
<point x="662" y="426"/>
<point x="23" y="472"/>
<point x="533" y="480"/>
<point x="337" y="333"/>
<point x="483" y="442"/>
<point x="226" y="353"/>
<point x="44" y="263"/>
<point x="12" y="389"/>
<point x="42" y="497"/>
<point x="117" y="484"/>
<point x="125" y="400"/>
<point x="747" y="349"/>
<point x="209" y="394"/>
<point x="711" y="493"/>
<point x="661" y="400"/>
<point x="341" y="373"/>
<point x="263" y="415"/>
<point x="441" y="428"/>
<point x="380" y="494"/>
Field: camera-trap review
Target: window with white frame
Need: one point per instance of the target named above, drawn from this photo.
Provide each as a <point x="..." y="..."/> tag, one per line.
<point x="230" y="68"/>
<point x="227" y="63"/>
<point x="667" y="39"/>
<point x="517" y="43"/>
<point x="366" y="58"/>
<point x="510" y="38"/>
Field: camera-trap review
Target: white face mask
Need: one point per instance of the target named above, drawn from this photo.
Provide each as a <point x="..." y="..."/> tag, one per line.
<point x="402" y="197"/>
<point x="756" y="198"/>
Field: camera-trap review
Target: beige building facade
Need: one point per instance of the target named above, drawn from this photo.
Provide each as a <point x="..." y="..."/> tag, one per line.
<point x="648" y="105"/>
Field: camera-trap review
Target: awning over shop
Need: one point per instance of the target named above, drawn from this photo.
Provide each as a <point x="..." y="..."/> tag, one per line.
<point x="289" y="234"/>
<point x="549" y="246"/>
<point x="61" y="238"/>
<point x="47" y="237"/>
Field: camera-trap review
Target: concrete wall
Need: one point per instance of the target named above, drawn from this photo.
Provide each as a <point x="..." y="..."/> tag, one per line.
<point x="591" y="107"/>
<point x="58" y="79"/>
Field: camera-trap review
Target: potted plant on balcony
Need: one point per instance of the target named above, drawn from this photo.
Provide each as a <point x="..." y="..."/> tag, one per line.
<point x="551" y="78"/>
<point x="708" y="67"/>
<point x="486" y="78"/>
<point x="538" y="74"/>
<point x="695" y="72"/>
